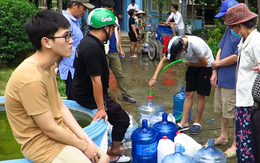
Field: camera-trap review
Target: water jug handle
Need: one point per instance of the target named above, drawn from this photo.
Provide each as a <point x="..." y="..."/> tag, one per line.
<point x="174" y="121"/>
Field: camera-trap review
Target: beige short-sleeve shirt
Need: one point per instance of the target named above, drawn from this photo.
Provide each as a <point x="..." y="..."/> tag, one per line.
<point x="30" y="92"/>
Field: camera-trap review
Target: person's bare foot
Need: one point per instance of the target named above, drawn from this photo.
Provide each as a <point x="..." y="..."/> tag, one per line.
<point x="117" y="152"/>
<point x="221" y="140"/>
<point x="218" y="141"/>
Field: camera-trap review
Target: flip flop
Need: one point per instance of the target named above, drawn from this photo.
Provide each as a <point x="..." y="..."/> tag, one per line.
<point x="230" y="153"/>
<point x="124" y="158"/>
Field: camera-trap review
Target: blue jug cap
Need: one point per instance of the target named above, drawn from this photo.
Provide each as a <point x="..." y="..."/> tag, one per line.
<point x="144" y="123"/>
<point x="164" y="116"/>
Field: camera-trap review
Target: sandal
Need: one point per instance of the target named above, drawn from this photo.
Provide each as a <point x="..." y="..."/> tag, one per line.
<point x="229" y="153"/>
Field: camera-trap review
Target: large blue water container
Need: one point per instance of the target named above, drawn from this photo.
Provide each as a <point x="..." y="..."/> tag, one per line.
<point x="177" y="157"/>
<point x="166" y="32"/>
<point x="165" y="128"/>
<point x="178" y="101"/>
<point x="210" y="154"/>
<point x="144" y="144"/>
<point x="159" y="31"/>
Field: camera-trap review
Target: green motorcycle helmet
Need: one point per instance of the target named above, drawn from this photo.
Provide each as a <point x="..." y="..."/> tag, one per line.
<point x="101" y="17"/>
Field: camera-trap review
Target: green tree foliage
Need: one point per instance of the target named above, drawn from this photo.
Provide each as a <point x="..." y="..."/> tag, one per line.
<point x="15" y="45"/>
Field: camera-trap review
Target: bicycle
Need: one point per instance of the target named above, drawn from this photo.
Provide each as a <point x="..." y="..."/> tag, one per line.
<point x="155" y="46"/>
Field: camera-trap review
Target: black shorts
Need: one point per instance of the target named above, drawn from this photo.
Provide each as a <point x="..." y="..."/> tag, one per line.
<point x="198" y="79"/>
<point x="132" y="36"/>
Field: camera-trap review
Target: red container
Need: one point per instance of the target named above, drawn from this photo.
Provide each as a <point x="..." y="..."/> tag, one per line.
<point x="165" y="41"/>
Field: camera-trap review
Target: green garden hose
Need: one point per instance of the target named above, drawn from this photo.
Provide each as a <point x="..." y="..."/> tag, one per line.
<point x="180" y="60"/>
<point x="151" y="91"/>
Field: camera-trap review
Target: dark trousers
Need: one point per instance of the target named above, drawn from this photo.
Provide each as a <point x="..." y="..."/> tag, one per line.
<point x="255" y="121"/>
<point x="68" y="83"/>
<point x="116" y="116"/>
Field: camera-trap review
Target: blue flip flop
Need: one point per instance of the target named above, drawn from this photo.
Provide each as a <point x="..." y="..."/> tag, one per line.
<point x="117" y="159"/>
<point x="122" y="158"/>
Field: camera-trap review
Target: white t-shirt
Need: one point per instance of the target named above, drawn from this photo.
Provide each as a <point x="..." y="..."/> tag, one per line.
<point x="178" y="19"/>
<point x="196" y="49"/>
<point x="133" y="7"/>
<point x="248" y="57"/>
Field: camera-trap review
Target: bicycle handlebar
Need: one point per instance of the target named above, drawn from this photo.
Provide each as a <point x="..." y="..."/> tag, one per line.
<point x="150" y="27"/>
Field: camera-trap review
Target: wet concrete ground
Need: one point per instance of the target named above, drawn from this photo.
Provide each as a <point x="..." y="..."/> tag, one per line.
<point x="139" y="71"/>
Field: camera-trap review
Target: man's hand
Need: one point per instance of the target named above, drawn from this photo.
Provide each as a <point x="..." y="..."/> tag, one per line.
<point x="187" y="63"/>
<point x="213" y="79"/>
<point x="152" y="83"/>
<point x="101" y="113"/>
<point x="92" y="153"/>
<point x="215" y="65"/>
<point x="122" y="53"/>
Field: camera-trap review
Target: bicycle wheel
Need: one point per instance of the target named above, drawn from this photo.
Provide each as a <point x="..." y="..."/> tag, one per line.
<point x="152" y="51"/>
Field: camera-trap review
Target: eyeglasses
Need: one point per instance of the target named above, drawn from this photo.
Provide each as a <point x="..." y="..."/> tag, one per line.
<point x="67" y="37"/>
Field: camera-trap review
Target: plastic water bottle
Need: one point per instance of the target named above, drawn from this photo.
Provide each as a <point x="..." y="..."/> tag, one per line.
<point x="144" y="144"/>
<point x="132" y="127"/>
<point x="165" y="147"/>
<point x="147" y="109"/>
<point x="210" y="154"/>
<point x="190" y="145"/>
<point x="178" y="101"/>
<point x="165" y="128"/>
<point x="178" y="157"/>
<point x="109" y="133"/>
<point x="161" y="108"/>
<point x="157" y="117"/>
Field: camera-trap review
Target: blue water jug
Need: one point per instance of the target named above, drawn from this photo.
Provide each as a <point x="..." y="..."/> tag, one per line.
<point x="165" y="128"/>
<point x="157" y="117"/>
<point x="177" y="157"/>
<point x="144" y="144"/>
<point x="210" y="154"/>
<point x="178" y="101"/>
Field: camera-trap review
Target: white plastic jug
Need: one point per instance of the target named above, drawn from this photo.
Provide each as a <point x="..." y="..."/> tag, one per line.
<point x="190" y="145"/>
<point x="164" y="148"/>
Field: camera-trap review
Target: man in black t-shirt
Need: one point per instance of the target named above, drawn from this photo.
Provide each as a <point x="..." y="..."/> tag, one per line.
<point x="90" y="83"/>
